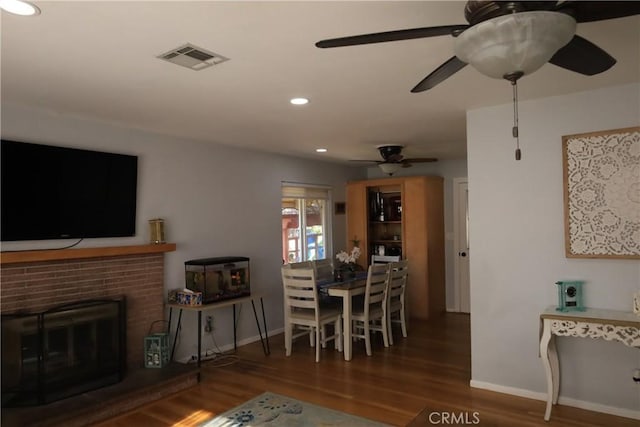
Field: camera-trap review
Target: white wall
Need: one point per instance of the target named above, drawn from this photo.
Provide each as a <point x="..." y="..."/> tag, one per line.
<point x="215" y="200"/>
<point x="448" y="169"/>
<point x="517" y="234"/>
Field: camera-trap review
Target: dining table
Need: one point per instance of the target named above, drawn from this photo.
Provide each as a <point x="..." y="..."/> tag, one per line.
<point x="346" y="289"/>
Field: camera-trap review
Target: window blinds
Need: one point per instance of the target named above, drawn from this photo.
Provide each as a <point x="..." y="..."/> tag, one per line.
<point x="302" y="192"/>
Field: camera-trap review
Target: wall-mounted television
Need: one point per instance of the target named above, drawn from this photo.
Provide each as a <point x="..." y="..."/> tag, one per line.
<point x="51" y="192"/>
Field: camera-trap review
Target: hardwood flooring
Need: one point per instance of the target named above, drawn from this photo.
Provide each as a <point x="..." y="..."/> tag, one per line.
<point x="412" y="384"/>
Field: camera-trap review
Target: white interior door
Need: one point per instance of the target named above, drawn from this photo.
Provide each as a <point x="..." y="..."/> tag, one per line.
<point x="461" y="247"/>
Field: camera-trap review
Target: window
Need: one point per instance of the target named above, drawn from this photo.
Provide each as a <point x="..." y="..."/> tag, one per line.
<point x="305" y="222"/>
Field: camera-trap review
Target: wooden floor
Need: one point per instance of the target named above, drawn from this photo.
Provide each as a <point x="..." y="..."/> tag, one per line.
<point x="411" y="383"/>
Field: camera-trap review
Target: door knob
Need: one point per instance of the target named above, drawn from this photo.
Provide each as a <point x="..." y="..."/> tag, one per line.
<point x="462" y="254"/>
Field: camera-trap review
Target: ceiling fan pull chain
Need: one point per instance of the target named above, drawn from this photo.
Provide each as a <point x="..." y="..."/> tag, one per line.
<point x="514" y="84"/>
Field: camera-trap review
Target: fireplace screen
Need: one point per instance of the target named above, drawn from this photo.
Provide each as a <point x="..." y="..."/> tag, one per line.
<point x="64" y="351"/>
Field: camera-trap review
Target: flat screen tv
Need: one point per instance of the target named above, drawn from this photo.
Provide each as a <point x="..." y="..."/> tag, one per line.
<point x="53" y="192"/>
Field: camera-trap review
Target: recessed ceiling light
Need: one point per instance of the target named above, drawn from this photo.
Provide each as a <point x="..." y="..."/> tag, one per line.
<point x="18" y="7"/>
<point x="299" y="101"/>
<point x="321" y="150"/>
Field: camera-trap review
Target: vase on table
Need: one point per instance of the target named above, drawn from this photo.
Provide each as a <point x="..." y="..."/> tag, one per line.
<point x="351" y="271"/>
<point x="346" y="271"/>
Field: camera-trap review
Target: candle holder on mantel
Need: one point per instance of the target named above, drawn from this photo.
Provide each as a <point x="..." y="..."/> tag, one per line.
<point x="156" y="231"/>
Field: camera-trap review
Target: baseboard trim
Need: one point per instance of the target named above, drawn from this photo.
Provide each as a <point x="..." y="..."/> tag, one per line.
<point x="255" y="338"/>
<point x="582" y="404"/>
<point x="206" y="353"/>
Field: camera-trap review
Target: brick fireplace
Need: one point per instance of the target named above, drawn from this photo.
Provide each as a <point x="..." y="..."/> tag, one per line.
<point x="36" y="281"/>
<point x="33" y="282"/>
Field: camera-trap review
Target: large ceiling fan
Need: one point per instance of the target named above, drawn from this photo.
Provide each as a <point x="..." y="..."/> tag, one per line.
<point x="393" y="160"/>
<point x="511" y="39"/>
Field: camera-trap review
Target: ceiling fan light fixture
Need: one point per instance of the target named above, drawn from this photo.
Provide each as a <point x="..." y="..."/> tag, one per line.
<point x="18" y="7"/>
<point x="390" y="168"/>
<point x="516" y="43"/>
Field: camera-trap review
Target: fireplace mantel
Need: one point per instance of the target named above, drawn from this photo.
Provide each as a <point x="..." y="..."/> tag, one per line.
<point x="65" y="254"/>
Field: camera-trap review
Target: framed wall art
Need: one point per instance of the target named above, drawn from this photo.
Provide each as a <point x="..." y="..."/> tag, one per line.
<point x="602" y="194"/>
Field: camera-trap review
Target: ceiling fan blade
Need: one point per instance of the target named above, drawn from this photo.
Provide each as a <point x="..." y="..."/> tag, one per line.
<point x="365" y="161"/>
<point x="582" y="56"/>
<point x="443" y="72"/>
<point x="420" y="160"/>
<point x="589" y="11"/>
<point x="388" y="36"/>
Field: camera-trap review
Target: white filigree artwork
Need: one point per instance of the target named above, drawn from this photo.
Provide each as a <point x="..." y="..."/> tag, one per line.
<point x="602" y="194"/>
<point x="628" y="335"/>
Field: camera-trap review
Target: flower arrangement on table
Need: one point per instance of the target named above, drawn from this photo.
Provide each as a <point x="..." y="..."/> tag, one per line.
<point x="348" y="261"/>
<point x="349" y="258"/>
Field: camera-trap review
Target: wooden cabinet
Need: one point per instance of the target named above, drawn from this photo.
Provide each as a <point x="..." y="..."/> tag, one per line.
<point x="403" y="216"/>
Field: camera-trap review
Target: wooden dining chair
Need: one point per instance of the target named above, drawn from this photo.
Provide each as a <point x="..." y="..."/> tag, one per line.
<point x="324" y="275"/>
<point x="298" y="265"/>
<point x="398" y="273"/>
<point x="383" y="259"/>
<point x="302" y="311"/>
<point x="324" y="269"/>
<point x="301" y="264"/>
<point x="372" y="315"/>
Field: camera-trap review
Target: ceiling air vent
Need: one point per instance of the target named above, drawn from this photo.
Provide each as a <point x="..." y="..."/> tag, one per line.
<point x="192" y="57"/>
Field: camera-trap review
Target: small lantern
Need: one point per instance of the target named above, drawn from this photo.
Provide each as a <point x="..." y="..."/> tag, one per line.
<point x="156" y="350"/>
<point x="570" y="296"/>
<point x="156" y="230"/>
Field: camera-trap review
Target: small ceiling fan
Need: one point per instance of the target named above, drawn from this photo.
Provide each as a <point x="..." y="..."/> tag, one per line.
<point x="495" y="22"/>
<point x="393" y="160"/>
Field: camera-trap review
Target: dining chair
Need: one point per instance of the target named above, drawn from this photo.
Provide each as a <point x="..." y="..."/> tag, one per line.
<point x="301" y="264"/>
<point x="372" y="315"/>
<point x="383" y="259"/>
<point x="302" y="310"/>
<point x="398" y="273"/>
<point x="324" y="269"/>
<point x="324" y="274"/>
<point x="298" y="265"/>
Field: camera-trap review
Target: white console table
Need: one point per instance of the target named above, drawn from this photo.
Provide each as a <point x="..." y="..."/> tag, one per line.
<point x="610" y="325"/>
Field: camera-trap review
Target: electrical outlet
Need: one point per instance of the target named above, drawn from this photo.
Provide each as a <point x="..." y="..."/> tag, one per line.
<point x="208" y="325"/>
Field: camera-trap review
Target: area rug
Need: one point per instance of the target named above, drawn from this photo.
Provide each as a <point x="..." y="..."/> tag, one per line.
<point x="270" y="409"/>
